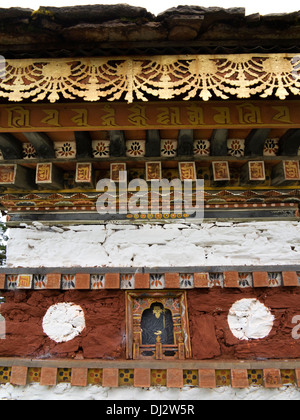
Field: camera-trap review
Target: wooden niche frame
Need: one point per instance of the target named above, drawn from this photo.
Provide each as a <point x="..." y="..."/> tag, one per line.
<point x="176" y="302"/>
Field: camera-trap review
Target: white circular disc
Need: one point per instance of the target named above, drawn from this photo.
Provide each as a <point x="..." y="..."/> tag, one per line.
<point x="250" y="319"/>
<point x="63" y="321"/>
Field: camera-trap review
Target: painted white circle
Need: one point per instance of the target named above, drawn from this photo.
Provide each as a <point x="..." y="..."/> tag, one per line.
<point x="63" y="321"/>
<point x="250" y="319"/>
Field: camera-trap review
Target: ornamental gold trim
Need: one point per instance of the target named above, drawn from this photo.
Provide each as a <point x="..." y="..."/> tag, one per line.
<point x="145" y="78"/>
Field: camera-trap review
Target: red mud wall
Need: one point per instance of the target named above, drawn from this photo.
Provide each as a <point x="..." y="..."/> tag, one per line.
<point x="211" y="337"/>
<point x="104" y="334"/>
<point x="103" y="337"/>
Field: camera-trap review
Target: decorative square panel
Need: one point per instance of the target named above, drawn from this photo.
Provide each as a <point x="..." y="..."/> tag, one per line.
<point x="201" y="279"/>
<point x="115" y="169"/>
<point x="275" y="279"/>
<point x="95" y="376"/>
<point x="64" y="375"/>
<point x="245" y="280"/>
<point x="43" y="173"/>
<point x="190" y="377"/>
<point x="271" y="147"/>
<point x="236" y="147"/>
<point x="157" y="281"/>
<point x="100" y="148"/>
<point x="135" y="148"/>
<point x="39" y="281"/>
<point x="272" y="378"/>
<point x="126" y="377"/>
<point x="187" y="171"/>
<point x="201" y="148"/>
<point x="2" y="325"/>
<point x="97" y="281"/>
<point x="29" y="151"/>
<point x="186" y="281"/>
<point x="11" y="281"/>
<point x="256" y="171"/>
<point x="7" y="174"/>
<point x="255" y="377"/>
<point x="158" y="377"/>
<point x="127" y="281"/>
<point x="153" y="171"/>
<point x="68" y="281"/>
<point x="66" y="150"/>
<point x="169" y="311"/>
<point x="221" y="171"/>
<point x="83" y="173"/>
<point x="24" y="281"/>
<point x="34" y="375"/>
<point x="5" y="374"/>
<point x="288" y="376"/>
<point x="223" y="377"/>
<point x="291" y="170"/>
<point x="216" y="280"/>
<point x="168" y="148"/>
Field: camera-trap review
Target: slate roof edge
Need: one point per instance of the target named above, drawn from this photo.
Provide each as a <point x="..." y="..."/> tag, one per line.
<point x="120" y="26"/>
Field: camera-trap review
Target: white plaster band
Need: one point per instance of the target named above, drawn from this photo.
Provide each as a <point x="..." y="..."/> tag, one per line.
<point x="168" y="245"/>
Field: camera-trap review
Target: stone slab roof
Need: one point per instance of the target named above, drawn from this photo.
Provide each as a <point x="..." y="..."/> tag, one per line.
<point x="124" y="29"/>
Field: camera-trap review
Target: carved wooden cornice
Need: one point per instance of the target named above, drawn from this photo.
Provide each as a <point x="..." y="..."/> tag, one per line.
<point x="146" y="78"/>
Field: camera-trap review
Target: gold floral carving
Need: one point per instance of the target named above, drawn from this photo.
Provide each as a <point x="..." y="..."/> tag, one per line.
<point x="145" y="78"/>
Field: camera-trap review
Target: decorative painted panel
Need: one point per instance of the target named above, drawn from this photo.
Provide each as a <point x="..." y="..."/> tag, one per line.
<point x="66" y="150"/>
<point x="135" y="148"/>
<point x="201" y="148"/>
<point x="220" y="171"/>
<point x="257" y="171"/>
<point x="187" y="171"/>
<point x="236" y="147"/>
<point x="115" y="169"/>
<point x="170" y="302"/>
<point x="7" y="174"/>
<point x="100" y="148"/>
<point x="164" y="77"/>
<point x="153" y="171"/>
<point x="168" y="148"/>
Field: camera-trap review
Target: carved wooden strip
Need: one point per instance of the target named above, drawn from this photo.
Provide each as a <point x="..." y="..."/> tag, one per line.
<point x="164" y="77"/>
<point x="118" y="278"/>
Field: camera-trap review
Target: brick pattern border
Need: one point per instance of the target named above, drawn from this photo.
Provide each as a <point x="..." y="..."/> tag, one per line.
<point x="136" y="281"/>
<point x="141" y="377"/>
